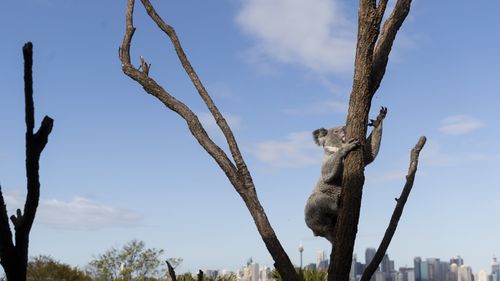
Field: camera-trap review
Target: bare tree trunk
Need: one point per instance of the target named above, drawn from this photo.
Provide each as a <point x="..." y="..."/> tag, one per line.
<point x="370" y="63"/>
<point x="14" y="257"/>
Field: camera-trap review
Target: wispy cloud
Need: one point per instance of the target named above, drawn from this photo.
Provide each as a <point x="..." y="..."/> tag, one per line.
<point x="434" y="154"/>
<point x="313" y="33"/>
<point x="296" y="150"/>
<point x="78" y="214"/>
<point x="459" y="125"/>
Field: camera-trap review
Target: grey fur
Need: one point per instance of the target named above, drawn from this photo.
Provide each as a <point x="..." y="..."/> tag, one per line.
<point x="322" y="206"/>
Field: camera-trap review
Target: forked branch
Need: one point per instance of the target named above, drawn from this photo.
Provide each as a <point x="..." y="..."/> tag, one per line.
<point x="386" y="40"/>
<point x="237" y="171"/>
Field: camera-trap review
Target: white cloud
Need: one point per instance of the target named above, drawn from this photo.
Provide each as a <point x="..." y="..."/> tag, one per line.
<point x="78" y="214"/>
<point x="297" y="150"/>
<point x="314" y="33"/>
<point x="434" y="154"/>
<point x="459" y="125"/>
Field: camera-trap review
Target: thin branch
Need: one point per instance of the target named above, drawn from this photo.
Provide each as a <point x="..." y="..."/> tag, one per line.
<point x="398" y="211"/>
<point x="35" y="143"/>
<point x="386" y="40"/>
<point x="382" y="5"/>
<point x="221" y="122"/>
<point x="154" y="89"/>
<point x="28" y="89"/>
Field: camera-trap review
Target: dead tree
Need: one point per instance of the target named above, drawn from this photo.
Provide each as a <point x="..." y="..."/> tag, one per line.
<point x="371" y="59"/>
<point x="14" y="254"/>
<point x="234" y="168"/>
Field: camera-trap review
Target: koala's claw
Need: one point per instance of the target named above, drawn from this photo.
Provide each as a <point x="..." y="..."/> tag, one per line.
<point x="380" y="117"/>
<point x="353" y="144"/>
<point x="353" y="140"/>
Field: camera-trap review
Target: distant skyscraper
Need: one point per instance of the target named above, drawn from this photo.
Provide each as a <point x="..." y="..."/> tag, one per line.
<point x="250" y="272"/>
<point x="352" y="273"/>
<point x="481" y="276"/>
<point x="453" y="276"/>
<point x="437" y="270"/>
<point x="254" y="269"/>
<point x="386" y="264"/>
<point x="458" y="260"/>
<point x="424" y="271"/>
<point x="266" y="274"/>
<point x="417" y="261"/>
<point x="406" y="274"/>
<point x="322" y="261"/>
<point x="465" y="273"/>
<point x="495" y="270"/>
<point x="369" y="254"/>
<point x="320" y="255"/>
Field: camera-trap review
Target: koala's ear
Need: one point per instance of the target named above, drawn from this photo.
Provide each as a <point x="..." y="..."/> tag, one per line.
<point x="319" y="133"/>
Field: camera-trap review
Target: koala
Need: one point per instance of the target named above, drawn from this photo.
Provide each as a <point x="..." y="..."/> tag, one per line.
<point x="321" y="209"/>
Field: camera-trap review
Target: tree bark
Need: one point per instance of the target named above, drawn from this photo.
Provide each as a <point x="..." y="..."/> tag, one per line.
<point x="369" y="68"/>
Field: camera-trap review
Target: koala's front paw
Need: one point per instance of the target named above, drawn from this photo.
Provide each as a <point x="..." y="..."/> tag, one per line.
<point x="351" y="145"/>
<point x="380" y="117"/>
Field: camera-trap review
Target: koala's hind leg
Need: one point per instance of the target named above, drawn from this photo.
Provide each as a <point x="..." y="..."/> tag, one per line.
<point x="321" y="215"/>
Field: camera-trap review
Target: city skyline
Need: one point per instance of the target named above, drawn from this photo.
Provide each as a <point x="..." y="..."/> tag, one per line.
<point x="422" y="269"/>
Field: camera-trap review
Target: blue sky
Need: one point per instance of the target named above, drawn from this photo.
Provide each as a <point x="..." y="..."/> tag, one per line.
<point x="120" y="166"/>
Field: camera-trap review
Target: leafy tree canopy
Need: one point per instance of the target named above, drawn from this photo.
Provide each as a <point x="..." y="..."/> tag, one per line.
<point x="44" y="268"/>
<point x="133" y="261"/>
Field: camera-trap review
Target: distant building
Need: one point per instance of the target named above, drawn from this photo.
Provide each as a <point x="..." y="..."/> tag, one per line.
<point x="457" y="260"/>
<point x="211" y="273"/>
<point x="465" y="273"/>
<point x="320" y="256"/>
<point x="352" y="273"/>
<point x="453" y="272"/>
<point x="266" y="274"/>
<point x="417" y="262"/>
<point x="323" y="265"/>
<point x="495" y="270"/>
<point x="481" y="276"/>
<point x="406" y="274"/>
<point x="311" y="266"/>
<point x="250" y="272"/>
<point x="323" y="262"/>
<point x="369" y="255"/>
